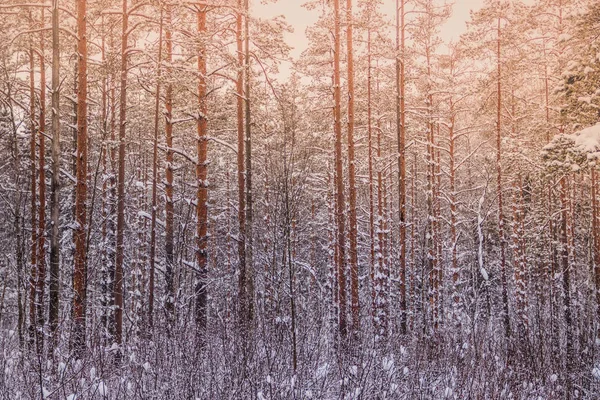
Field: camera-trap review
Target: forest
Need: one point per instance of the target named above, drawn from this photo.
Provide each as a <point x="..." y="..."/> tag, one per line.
<point x="187" y="211"/>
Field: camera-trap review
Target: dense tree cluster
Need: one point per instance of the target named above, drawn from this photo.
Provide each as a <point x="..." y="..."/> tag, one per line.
<point x="400" y="216"/>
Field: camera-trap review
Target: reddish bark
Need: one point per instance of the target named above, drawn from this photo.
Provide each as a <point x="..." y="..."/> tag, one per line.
<point x="201" y="180"/>
<point x="401" y="132"/>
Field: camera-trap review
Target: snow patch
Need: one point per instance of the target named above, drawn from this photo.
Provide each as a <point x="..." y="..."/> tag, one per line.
<point x="484" y="274"/>
<point x="387" y="364"/>
<point x="102" y="389"/>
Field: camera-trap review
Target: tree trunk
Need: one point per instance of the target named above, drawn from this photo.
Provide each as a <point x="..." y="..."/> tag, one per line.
<point x="105" y="255"/>
<point x="596" y="238"/>
<point x="352" y="175"/>
<point x="154" y="183"/>
<point x="201" y="180"/>
<point x="118" y="281"/>
<point x="17" y="224"/>
<point x="249" y="194"/>
<point x="413" y="215"/>
<point x="169" y="206"/>
<point x="505" y="314"/>
<point x="79" y="274"/>
<point x="242" y="295"/>
<point x="401" y="132"/>
<point x="34" y="231"/>
<point x="41" y="246"/>
<point x="456" y="310"/>
<point x="371" y="186"/>
<point x="55" y="183"/>
<point x="112" y="201"/>
<point x="438" y="235"/>
<point x="339" y="178"/>
<point x="431" y="230"/>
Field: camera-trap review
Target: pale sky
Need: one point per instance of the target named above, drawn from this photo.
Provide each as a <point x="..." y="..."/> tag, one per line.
<point x="300" y="18"/>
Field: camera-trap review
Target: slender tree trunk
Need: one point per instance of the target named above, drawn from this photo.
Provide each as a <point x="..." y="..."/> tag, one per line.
<point x="438" y="235"/>
<point x="241" y="168"/>
<point x="229" y="269"/>
<point x="381" y="319"/>
<point x="118" y="281"/>
<point x="456" y="309"/>
<point x="34" y="231"/>
<point x="401" y="131"/>
<point x="112" y="201"/>
<point x="387" y="245"/>
<point x="249" y="194"/>
<point x="169" y="206"/>
<point x="553" y="265"/>
<point x="352" y="175"/>
<point x="289" y="251"/>
<point x="431" y="235"/>
<point x="596" y="238"/>
<point x="339" y="178"/>
<point x="292" y="279"/>
<point x="79" y="274"/>
<point x="505" y="314"/>
<point x="54" y="287"/>
<point x="17" y="224"/>
<point x="332" y="248"/>
<point x="104" y="274"/>
<point x="150" y="326"/>
<point x="41" y="247"/>
<point x="201" y="179"/>
<point x="371" y="186"/>
<point x="380" y="275"/>
<point x="413" y="215"/>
